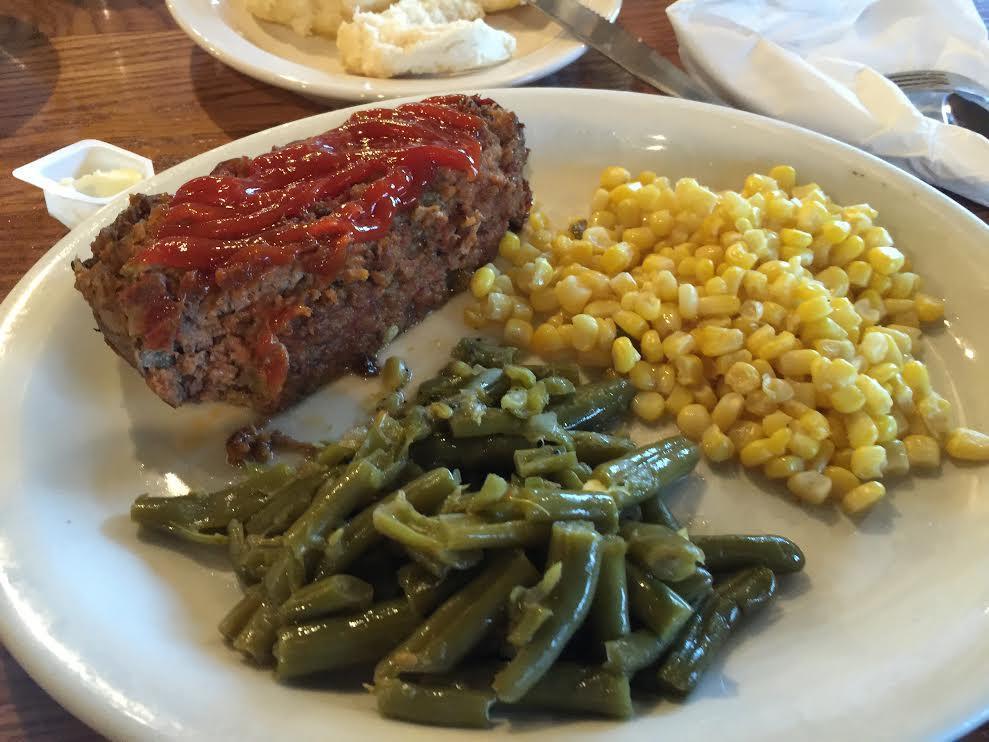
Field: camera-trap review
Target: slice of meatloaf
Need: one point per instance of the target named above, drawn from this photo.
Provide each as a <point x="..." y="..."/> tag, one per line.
<point x="266" y="335"/>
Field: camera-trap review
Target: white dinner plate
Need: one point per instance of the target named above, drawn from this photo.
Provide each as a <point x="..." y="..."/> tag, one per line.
<point x="885" y="636"/>
<point x="311" y="65"/>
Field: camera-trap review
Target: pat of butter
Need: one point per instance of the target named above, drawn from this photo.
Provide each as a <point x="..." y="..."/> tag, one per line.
<point x="103" y="183"/>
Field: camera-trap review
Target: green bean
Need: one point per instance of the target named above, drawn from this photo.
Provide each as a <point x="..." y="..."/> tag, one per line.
<point x="568" y="371"/>
<point x="258" y="635"/>
<point x="483" y="352"/>
<point x="695" y="588"/>
<point x="596" y="448"/>
<point x="557" y="386"/>
<point x="609" y="610"/>
<point x="665" y="553"/>
<point x="545" y="505"/>
<point x="343" y="641"/>
<point x="441" y="641"/>
<point x="628" y="655"/>
<point x="251" y="556"/>
<point x="473" y="533"/>
<point x="238" y="616"/>
<point x="655" y="510"/>
<point x="655" y="604"/>
<point x="486" y="454"/>
<point x="424" y="590"/>
<point x="543" y="460"/>
<point x="442" y="706"/>
<point x="335" y="500"/>
<point x="577" y="545"/>
<point x="287" y="502"/>
<point x="395" y="373"/>
<point x="333" y="594"/>
<point x="333" y="454"/>
<point x="527" y="609"/>
<point x="595" y="406"/>
<point x="567" y="478"/>
<point x="729" y="553"/>
<point x="643" y="473"/>
<point x="709" y="629"/>
<point x="488" y="421"/>
<point x="356" y="536"/>
<point x="439" y="563"/>
<point x="211" y="511"/>
<point x="583" y="690"/>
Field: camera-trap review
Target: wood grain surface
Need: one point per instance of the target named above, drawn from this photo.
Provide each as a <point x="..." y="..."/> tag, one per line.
<point x="121" y="71"/>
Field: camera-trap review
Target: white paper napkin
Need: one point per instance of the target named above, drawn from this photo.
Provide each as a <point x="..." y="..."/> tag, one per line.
<point x="820" y="64"/>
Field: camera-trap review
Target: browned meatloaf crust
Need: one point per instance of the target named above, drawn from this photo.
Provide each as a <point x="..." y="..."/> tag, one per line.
<point x="194" y="343"/>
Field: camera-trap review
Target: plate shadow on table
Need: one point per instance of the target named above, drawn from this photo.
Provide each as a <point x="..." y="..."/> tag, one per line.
<point x="28" y="52"/>
<point x="239" y="113"/>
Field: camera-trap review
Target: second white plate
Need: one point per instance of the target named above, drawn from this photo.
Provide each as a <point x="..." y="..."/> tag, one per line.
<point x="311" y="66"/>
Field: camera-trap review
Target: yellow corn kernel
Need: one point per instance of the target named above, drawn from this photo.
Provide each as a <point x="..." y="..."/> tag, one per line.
<point x="648" y="406"/>
<point x="777" y="346"/>
<point x="897" y="461"/>
<point x="863" y="497"/>
<point x="803" y="445"/>
<point x="651" y="346"/>
<point x="607" y="332"/>
<point x="679" y="398"/>
<point x="614" y="176"/>
<point x="755" y="285"/>
<point x="794" y="363"/>
<point x="779" y="441"/>
<point x="483" y="280"/>
<point x="744" y="432"/>
<point x="689" y="370"/>
<point x="497" y="307"/>
<point x="868" y="461"/>
<point x="847" y="252"/>
<point x="546" y="339"/>
<point x="719" y="304"/>
<point x="693" y="420"/>
<point x="775" y="421"/>
<point x="842" y="480"/>
<point x="759" y="404"/>
<point x="572" y="295"/>
<point x="835" y="231"/>
<point x="923" y="452"/>
<point x="718" y="341"/>
<point x="756" y="453"/>
<point x="665" y="378"/>
<point x="623" y="283"/>
<point x="585" y="332"/>
<point x="784" y="175"/>
<point x="810" y="486"/>
<point x="877" y="400"/>
<point x="727" y="410"/>
<point x="716" y="446"/>
<point x="602" y="307"/>
<point x="842" y="457"/>
<point x="783" y="467"/>
<point x="795" y="238"/>
<point x="814" y="309"/>
<point x="743" y="378"/>
<point x="778" y="390"/>
<point x="631" y="323"/>
<point x="616" y="258"/>
<point x="566" y="334"/>
<point x="703" y="270"/>
<point x="916" y="377"/>
<point x="835" y="280"/>
<point x="510" y="246"/>
<point x="885" y="259"/>
<point x="861" y="430"/>
<point x="643" y="377"/>
<point x="678" y="344"/>
<point x="687" y="300"/>
<point x="518" y="332"/>
<point x="624" y="355"/>
<point x="830" y="374"/>
<point x="967" y="444"/>
<point x="934" y="409"/>
<point x="661" y="223"/>
<point x="705" y="395"/>
<point x="715" y="286"/>
<point x="929" y="308"/>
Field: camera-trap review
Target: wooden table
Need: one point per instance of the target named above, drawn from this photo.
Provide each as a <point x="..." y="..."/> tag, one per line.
<point x="121" y="71"/>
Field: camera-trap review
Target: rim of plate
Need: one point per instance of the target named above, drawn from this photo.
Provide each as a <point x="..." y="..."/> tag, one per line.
<point x="42" y="663"/>
<point x="556" y="54"/>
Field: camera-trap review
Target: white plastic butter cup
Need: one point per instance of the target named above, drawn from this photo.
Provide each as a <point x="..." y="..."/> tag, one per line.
<point x="64" y="202"/>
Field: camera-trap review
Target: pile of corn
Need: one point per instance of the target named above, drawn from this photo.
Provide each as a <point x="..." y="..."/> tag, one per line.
<point x="773" y="324"/>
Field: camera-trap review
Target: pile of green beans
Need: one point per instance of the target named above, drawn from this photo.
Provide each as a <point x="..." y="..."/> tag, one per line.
<point x="483" y="545"/>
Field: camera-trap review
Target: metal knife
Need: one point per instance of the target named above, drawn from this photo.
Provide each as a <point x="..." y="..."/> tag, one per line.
<point x="623" y="49"/>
